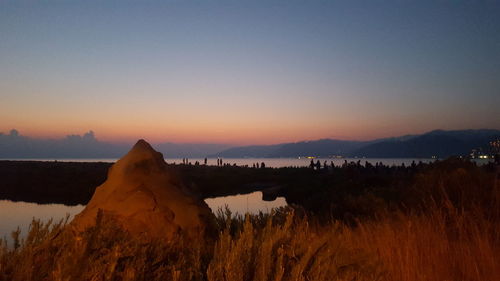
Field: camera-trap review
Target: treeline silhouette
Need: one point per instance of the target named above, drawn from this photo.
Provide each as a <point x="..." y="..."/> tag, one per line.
<point x="353" y="221"/>
<point x="346" y="191"/>
<point x="437" y="221"/>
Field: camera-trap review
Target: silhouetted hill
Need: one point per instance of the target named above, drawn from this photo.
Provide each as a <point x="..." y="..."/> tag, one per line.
<point x="438" y="143"/>
<point x="191" y="150"/>
<point x="257" y="151"/>
<point x="323" y="147"/>
<point x="435" y="143"/>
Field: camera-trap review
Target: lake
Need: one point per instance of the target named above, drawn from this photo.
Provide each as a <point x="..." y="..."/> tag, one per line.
<point x="245" y="203"/>
<point x="20" y="214"/>
<point x="14" y="214"/>
<point x="269" y="162"/>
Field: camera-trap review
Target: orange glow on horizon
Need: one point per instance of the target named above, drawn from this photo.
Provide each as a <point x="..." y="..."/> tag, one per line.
<point x="247" y="135"/>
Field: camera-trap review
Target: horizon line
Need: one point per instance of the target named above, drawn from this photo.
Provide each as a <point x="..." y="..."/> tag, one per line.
<point x="91" y="134"/>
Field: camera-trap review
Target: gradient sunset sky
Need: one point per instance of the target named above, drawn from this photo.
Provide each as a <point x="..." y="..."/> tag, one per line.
<point x="248" y="72"/>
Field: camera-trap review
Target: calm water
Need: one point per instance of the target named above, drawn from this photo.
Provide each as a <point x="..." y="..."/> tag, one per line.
<point x="245" y="203"/>
<point x="14" y="214"/>
<point x="20" y="214"/>
<point x="269" y="162"/>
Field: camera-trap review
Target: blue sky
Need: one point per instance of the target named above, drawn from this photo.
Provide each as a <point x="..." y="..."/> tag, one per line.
<point x="248" y="71"/>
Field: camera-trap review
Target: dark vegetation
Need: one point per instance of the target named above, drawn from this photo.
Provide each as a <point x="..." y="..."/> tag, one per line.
<point x="438" y="221"/>
<point x="342" y="192"/>
<point x="442" y="241"/>
<point x="69" y="183"/>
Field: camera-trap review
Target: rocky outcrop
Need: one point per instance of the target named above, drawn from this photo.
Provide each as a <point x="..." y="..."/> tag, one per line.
<point x="143" y="199"/>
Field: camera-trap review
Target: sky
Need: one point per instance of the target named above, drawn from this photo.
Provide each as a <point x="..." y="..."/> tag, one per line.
<point x="248" y="72"/>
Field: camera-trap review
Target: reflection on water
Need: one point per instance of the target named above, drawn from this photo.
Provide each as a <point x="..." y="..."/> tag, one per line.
<point x="245" y="203"/>
<point x="20" y="214"/>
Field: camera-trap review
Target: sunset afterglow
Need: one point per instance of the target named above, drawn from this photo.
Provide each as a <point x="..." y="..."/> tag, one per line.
<point x="247" y="73"/>
<point x="243" y="140"/>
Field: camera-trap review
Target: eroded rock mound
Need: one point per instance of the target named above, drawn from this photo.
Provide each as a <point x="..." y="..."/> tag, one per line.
<point x="141" y="197"/>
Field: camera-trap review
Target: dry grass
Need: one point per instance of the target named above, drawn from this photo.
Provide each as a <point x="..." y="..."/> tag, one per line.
<point x="445" y="242"/>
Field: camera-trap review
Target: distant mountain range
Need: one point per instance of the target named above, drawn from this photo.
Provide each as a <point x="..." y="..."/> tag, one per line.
<point x="305" y="148"/>
<point x="438" y="143"/>
<point x="190" y="150"/>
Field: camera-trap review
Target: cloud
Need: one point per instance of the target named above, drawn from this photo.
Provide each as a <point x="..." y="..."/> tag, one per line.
<point x="16" y="146"/>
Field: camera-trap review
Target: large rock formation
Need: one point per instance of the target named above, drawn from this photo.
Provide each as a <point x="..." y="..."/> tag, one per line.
<point x="142" y="198"/>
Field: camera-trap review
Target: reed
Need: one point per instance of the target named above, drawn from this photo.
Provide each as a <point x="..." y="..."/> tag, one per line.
<point x="447" y="239"/>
